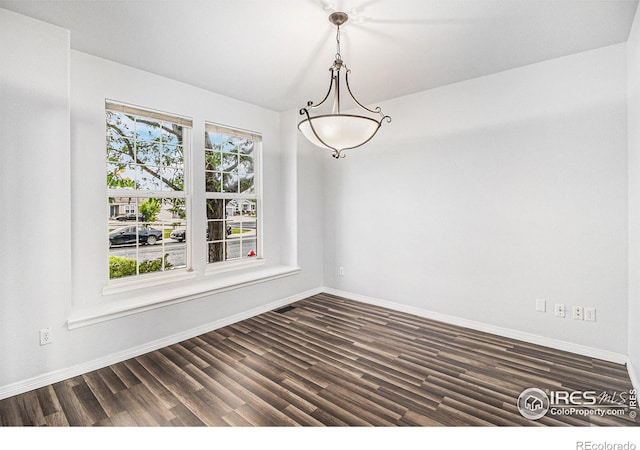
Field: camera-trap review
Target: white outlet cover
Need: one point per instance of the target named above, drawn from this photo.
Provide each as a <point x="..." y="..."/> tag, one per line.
<point x="45" y="336"/>
<point x="560" y="310"/>
<point x="541" y="305"/>
<point x="578" y="313"/>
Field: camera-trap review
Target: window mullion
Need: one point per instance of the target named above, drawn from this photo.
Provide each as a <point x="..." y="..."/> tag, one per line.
<point x="145" y="194"/>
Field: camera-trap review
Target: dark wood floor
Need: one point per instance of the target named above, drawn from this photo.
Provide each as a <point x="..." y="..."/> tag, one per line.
<point x="327" y="361"/>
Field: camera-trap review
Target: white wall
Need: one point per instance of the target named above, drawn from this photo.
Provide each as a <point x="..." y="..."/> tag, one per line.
<point x="485" y="195"/>
<point x="309" y="207"/>
<point x="35" y="266"/>
<point x="58" y="266"/>
<point x="633" y="63"/>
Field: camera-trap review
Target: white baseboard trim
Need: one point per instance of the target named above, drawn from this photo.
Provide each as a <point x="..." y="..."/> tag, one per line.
<point x="63" y="374"/>
<point x="633" y="374"/>
<point x="557" y="344"/>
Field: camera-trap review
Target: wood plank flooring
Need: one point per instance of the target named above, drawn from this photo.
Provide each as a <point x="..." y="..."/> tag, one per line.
<point x="328" y="361"/>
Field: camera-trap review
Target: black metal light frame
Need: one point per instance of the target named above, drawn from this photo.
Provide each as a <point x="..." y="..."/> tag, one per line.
<point x="338" y="19"/>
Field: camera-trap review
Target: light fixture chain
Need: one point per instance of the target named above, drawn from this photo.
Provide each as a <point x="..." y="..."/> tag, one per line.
<point x="338" y="56"/>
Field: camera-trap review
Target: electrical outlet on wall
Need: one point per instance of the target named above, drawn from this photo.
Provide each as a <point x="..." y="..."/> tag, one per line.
<point x="45" y="336"/>
<point x="578" y="313"/>
<point x="541" y="305"/>
<point x="559" y="310"/>
<point x="341" y="271"/>
<point x="590" y="314"/>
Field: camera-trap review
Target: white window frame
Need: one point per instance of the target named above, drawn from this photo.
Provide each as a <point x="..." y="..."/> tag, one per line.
<point x="134" y="295"/>
<point x="122" y="284"/>
<point x="213" y="268"/>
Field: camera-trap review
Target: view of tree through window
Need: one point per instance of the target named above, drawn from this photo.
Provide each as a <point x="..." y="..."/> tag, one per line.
<point x="232" y="194"/>
<point x="145" y="189"/>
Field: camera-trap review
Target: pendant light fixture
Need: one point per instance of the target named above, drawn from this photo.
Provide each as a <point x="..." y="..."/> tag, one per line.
<point x="337" y="131"/>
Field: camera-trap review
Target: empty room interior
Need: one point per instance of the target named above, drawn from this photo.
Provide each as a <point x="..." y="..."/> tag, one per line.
<point x="305" y="213"/>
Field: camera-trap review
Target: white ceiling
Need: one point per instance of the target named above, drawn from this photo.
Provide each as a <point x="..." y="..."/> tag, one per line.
<point x="276" y="53"/>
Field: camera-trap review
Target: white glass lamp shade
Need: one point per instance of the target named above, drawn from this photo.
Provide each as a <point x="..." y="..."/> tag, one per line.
<point x="339" y="131"/>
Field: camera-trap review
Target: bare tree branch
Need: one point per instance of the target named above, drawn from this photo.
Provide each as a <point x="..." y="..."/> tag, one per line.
<point x="143" y="163"/>
<point x="176" y="132"/>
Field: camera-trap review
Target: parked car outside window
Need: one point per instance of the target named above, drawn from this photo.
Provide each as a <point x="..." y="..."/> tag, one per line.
<point x="181" y="234"/>
<point x="133" y="234"/>
<point x="130" y="216"/>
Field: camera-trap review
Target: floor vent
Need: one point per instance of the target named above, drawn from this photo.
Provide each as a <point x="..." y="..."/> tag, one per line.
<point x="285" y="309"/>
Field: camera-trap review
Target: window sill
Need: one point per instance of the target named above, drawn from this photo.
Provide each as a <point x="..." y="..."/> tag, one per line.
<point x="147" y="282"/>
<point x="229" y="266"/>
<point x="157" y="298"/>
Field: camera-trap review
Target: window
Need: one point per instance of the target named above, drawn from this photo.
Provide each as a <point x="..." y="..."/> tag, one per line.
<point x="146" y="172"/>
<point x="232" y="194"/>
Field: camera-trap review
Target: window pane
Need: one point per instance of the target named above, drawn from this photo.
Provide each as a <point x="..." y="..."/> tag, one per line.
<point x="216" y="230"/>
<point x="140" y="235"/>
<point x="245" y="174"/>
<point x="173" y="179"/>
<point x="249" y="248"/>
<point x="213" y="181"/>
<point x="246" y="146"/>
<point x="177" y="208"/>
<point x="149" y="178"/>
<point x="120" y="150"/>
<point x="216" y="252"/>
<point x="232" y="209"/>
<point x="172" y="133"/>
<point x="121" y="176"/>
<point x="228" y="144"/>
<point x="248" y="208"/>
<point x="173" y="215"/>
<point x="172" y="155"/>
<point x="230" y="182"/>
<point x="233" y="249"/>
<point x="215" y="209"/>
<point x="149" y="153"/>
<point x="208" y="144"/>
<point x="119" y="125"/>
<point x="212" y="160"/>
<point x="148" y="130"/>
<point x="228" y="162"/>
<point x="230" y="171"/>
<point x="213" y="141"/>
